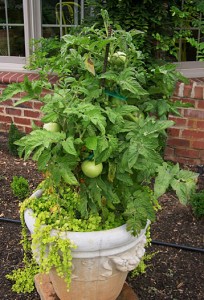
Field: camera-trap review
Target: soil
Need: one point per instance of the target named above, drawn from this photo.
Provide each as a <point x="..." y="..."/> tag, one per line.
<point x="172" y="273"/>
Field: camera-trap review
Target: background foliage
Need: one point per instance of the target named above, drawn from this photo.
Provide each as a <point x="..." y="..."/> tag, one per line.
<point x="162" y="22"/>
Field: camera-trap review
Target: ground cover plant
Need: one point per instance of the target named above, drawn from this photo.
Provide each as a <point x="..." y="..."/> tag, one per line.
<point x="20" y="187"/>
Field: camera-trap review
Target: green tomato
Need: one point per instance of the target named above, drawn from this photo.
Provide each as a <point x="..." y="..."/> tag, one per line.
<point x="90" y="169"/>
<point x="118" y="58"/>
<point x="53" y="127"/>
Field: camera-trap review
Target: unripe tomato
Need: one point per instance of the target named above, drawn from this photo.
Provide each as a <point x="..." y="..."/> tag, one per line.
<point x="90" y="169"/>
<point x="53" y="127"/>
<point x="118" y="58"/>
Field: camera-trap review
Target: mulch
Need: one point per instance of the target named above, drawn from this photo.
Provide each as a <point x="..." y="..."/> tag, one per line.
<point x="172" y="273"/>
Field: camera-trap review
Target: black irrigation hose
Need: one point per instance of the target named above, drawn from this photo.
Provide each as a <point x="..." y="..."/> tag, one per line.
<point x="10" y="220"/>
<point x="183" y="247"/>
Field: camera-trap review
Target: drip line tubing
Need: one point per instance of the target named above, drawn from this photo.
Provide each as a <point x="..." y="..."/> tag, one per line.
<point x="183" y="247"/>
<point x="10" y="220"/>
<point x="154" y="242"/>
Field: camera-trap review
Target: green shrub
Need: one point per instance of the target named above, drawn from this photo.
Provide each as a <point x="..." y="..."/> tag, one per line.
<point x="197" y="203"/>
<point x="20" y="187"/>
<point x="14" y="135"/>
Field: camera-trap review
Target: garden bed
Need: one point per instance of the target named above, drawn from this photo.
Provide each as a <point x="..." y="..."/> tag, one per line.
<point x="173" y="273"/>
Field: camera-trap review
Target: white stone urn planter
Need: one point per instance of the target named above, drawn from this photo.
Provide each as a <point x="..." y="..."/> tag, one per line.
<point x="100" y="262"/>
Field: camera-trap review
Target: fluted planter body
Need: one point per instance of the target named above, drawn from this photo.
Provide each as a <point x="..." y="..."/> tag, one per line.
<point x="100" y="262"/>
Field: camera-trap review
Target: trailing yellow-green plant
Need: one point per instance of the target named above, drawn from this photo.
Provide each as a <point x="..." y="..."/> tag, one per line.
<point x="146" y="259"/>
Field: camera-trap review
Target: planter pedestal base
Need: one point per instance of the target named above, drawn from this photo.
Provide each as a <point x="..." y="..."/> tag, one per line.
<point x="46" y="291"/>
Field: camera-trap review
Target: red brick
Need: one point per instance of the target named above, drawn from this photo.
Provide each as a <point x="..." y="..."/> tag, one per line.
<point x="5" y="77"/>
<point x="201" y="162"/>
<point x="173" y="142"/>
<point x="198" y="92"/>
<point x="178" y="121"/>
<point x="191" y="101"/>
<point x="192" y="134"/>
<point x="21" y="77"/>
<point x="175" y="132"/>
<point x="53" y="79"/>
<point x="200" y="124"/>
<point x="198" y="80"/>
<point x="32" y="77"/>
<point x="200" y="104"/>
<point x="201" y="153"/>
<point x="188" y="153"/>
<point x="27" y="129"/>
<point x="22" y="121"/>
<point x="180" y="111"/>
<point x="9" y="77"/>
<point x="3" y="86"/>
<point x="168" y="152"/>
<point x="4" y="127"/>
<point x="8" y="102"/>
<point x="187" y="161"/>
<point x="187" y="91"/>
<point x="175" y="98"/>
<point x="197" y="144"/>
<point x="13" y="111"/>
<point x="27" y="104"/>
<point x="32" y="114"/>
<point x="191" y="123"/>
<point x="37" y="105"/>
<point x="21" y="128"/>
<point x="17" y="77"/>
<point x="2" y="109"/>
<point x="5" y="119"/>
<point x="17" y="96"/>
<point x="193" y="113"/>
<point x="38" y="123"/>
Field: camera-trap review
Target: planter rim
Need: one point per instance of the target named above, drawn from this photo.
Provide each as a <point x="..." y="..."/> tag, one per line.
<point x="98" y="243"/>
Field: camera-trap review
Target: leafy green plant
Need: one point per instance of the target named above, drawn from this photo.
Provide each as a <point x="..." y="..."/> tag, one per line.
<point x="101" y="160"/>
<point x="14" y="135"/>
<point x="181" y="181"/>
<point x="20" y="187"/>
<point x="197" y="203"/>
<point x="164" y="24"/>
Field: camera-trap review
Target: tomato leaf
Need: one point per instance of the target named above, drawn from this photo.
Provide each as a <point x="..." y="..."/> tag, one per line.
<point x="91" y="142"/>
<point x="68" y="146"/>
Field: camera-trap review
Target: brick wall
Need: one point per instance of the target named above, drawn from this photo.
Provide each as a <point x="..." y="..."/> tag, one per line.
<point x="24" y="114"/>
<point x="185" y="142"/>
